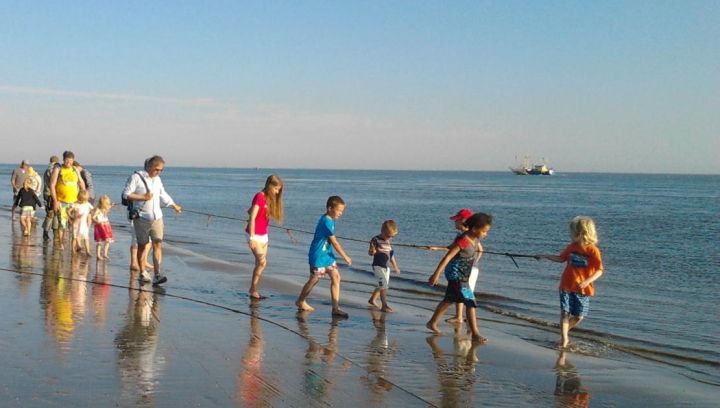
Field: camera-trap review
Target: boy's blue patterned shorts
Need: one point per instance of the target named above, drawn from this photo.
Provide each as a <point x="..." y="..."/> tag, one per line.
<point x="574" y="303"/>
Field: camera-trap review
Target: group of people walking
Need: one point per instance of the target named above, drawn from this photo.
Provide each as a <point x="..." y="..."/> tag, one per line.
<point x="69" y="200"/>
<point x="67" y="197"/>
<point x="60" y="187"/>
<point x="459" y="265"/>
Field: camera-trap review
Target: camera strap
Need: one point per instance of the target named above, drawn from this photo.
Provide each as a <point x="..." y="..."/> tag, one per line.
<point x="147" y="190"/>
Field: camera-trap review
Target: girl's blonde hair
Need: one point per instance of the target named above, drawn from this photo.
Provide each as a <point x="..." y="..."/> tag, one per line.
<point x="274" y="202"/>
<point x="28" y="183"/>
<point x="582" y="230"/>
<point x="104" y="203"/>
<point x="83" y="196"/>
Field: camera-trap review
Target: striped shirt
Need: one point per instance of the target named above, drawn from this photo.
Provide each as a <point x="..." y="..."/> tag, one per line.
<point x="383" y="251"/>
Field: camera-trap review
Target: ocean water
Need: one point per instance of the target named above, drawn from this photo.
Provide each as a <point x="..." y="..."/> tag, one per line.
<point x="658" y="233"/>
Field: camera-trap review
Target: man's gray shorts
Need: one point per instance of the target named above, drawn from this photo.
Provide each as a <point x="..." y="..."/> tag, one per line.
<point x="146" y="230"/>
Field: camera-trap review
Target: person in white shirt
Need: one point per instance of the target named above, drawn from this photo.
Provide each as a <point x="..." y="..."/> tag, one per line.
<point x="145" y="191"/>
<point x="17" y="180"/>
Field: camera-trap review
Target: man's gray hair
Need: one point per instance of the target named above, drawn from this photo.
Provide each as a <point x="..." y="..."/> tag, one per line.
<point x="152" y="161"/>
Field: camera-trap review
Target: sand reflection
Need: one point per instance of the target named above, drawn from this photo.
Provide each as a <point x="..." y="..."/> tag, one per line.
<point x="100" y="292"/>
<point x="569" y="391"/>
<point x="456" y="370"/>
<point x="80" y="268"/>
<point x="138" y="364"/>
<point x="320" y="374"/>
<point x="254" y="388"/>
<point x="22" y="257"/>
<point x="63" y="295"/>
<point x="379" y="352"/>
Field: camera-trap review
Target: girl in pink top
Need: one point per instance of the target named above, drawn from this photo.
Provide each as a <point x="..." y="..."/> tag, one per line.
<point x="103" y="230"/>
<point x="265" y="205"/>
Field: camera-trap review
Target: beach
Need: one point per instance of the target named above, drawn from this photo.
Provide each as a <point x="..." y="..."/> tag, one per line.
<point x="79" y="332"/>
<point x="457" y="142"/>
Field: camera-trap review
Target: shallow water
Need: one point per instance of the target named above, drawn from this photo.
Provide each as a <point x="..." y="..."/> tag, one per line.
<point x="74" y="324"/>
<point x="656" y="235"/>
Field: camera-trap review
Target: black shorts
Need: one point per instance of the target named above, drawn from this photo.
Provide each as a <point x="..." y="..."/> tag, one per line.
<point x="456" y="292"/>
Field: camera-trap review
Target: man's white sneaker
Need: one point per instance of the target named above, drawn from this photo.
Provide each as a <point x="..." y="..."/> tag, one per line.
<point x="145" y="277"/>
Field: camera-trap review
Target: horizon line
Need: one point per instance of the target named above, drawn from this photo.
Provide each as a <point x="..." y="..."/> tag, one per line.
<point x="560" y="173"/>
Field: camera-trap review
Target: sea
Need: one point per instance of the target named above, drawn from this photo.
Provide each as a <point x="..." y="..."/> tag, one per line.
<point x="656" y="301"/>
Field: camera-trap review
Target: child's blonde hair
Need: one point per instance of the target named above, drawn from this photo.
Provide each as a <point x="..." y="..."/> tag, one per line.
<point x="83" y="196"/>
<point x="275" y="202"/>
<point x="582" y="230"/>
<point x="389" y="227"/>
<point x="104" y="203"/>
<point x="28" y="183"/>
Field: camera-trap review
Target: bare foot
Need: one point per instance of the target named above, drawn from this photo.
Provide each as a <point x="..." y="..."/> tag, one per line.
<point x="256" y="296"/>
<point x="387" y="309"/>
<point x="304" y="306"/>
<point x="454" y="319"/>
<point x="134" y="267"/>
<point x="478" y="339"/>
<point x="339" y="313"/>
<point x="371" y="302"/>
<point x="433" y="327"/>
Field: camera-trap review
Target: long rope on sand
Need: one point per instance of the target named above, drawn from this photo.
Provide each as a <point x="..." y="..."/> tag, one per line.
<point x="289" y="231"/>
<point x="219" y="306"/>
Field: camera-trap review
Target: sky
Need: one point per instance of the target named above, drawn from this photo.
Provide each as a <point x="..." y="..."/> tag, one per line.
<point x="590" y="86"/>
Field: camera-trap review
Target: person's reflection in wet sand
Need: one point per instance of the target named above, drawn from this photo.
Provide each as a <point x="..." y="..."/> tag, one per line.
<point x="100" y="292"/>
<point x="569" y="391"/>
<point x="253" y="388"/>
<point x="319" y="376"/>
<point x="456" y="372"/>
<point x="55" y="299"/>
<point x="138" y="364"/>
<point x="314" y="384"/>
<point x="379" y="351"/>
<point x="80" y="268"/>
<point x="22" y="257"/>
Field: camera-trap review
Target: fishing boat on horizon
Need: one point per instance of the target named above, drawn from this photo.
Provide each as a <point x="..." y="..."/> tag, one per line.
<point x="532" y="170"/>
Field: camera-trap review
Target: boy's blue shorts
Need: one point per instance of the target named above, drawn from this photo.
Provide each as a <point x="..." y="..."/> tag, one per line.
<point x="574" y="303"/>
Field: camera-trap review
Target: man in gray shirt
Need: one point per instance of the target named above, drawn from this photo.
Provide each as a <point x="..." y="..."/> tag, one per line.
<point x="17" y="179"/>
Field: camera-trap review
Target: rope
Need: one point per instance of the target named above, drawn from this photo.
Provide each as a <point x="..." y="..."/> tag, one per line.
<point x="292" y="238"/>
<point x="227" y="308"/>
<point x="289" y="232"/>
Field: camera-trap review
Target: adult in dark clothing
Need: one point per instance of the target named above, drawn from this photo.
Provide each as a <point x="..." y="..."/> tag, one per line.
<point x="47" y="196"/>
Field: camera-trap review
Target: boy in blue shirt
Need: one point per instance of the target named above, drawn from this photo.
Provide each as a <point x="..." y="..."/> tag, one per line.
<point x="322" y="258"/>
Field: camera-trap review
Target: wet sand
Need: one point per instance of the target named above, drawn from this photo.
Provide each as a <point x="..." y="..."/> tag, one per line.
<point x="78" y="332"/>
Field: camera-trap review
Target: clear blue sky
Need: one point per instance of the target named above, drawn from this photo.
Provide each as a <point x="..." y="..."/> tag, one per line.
<point x="591" y="86"/>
